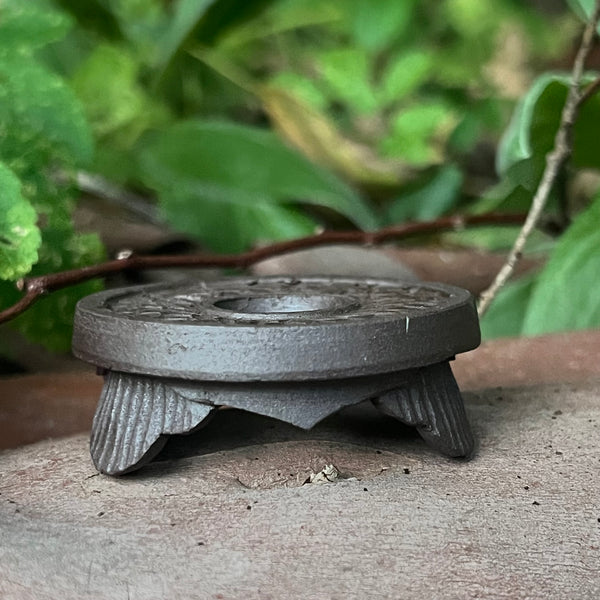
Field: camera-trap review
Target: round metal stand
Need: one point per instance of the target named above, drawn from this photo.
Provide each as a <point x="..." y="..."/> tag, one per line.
<point x="296" y="349"/>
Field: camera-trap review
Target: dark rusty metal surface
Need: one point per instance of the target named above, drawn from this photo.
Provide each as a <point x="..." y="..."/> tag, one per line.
<point x="293" y="349"/>
<point x="279" y="328"/>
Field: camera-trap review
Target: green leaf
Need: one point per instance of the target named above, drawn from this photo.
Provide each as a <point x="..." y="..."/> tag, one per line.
<point x="27" y="26"/>
<point x="280" y="16"/>
<point x="404" y="75"/>
<point x="419" y="133"/>
<point x="506" y="314"/>
<point x="207" y="171"/>
<point x="478" y="117"/>
<point x="377" y="24"/>
<point x="186" y="14"/>
<point x="227" y="221"/>
<point x="19" y="235"/>
<point x="430" y="199"/>
<point x="205" y="20"/>
<point x="346" y="72"/>
<point x="536" y="119"/>
<point x="115" y="102"/>
<point x="567" y="295"/>
<point x="38" y="110"/>
<point x="471" y="18"/>
<point x="515" y="144"/>
<point x="582" y="8"/>
<point x="50" y="320"/>
<point x="94" y="16"/>
<point x="225" y="16"/>
<point x="514" y="192"/>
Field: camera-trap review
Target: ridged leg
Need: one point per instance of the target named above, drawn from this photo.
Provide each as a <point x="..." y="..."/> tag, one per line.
<point x="431" y="401"/>
<point x="133" y="417"/>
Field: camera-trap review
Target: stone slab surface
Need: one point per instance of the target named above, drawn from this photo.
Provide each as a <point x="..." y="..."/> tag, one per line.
<point x="225" y="513"/>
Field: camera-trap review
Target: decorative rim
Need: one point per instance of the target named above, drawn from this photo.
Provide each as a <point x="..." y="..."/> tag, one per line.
<point x="275" y="328"/>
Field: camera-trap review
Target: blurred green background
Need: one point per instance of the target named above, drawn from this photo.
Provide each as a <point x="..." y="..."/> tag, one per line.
<point x="242" y="122"/>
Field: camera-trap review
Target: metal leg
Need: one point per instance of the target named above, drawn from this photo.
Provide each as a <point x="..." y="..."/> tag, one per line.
<point x="431" y="402"/>
<point x="136" y="412"/>
<point x="133" y="417"/>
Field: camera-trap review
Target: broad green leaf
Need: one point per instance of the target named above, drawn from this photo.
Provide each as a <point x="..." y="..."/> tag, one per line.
<point x="19" y="235"/>
<point x="205" y="20"/>
<point x="115" y="102"/>
<point x="223" y="164"/>
<point x="566" y="295"/>
<point x="26" y="26"/>
<point x="346" y="72"/>
<point x="478" y="117"/>
<point x="505" y="315"/>
<point x="37" y="109"/>
<point x="419" y="133"/>
<point x="94" y="15"/>
<point x="405" y="74"/>
<point x="586" y="134"/>
<point x="514" y="192"/>
<point x="536" y="119"/>
<point x="225" y="16"/>
<point x="228" y="221"/>
<point x="375" y="25"/>
<point x="429" y="199"/>
<point x="141" y="23"/>
<point x="280" y="17"/>
<point x="186" y="14"/>
<point x="582" y="8"/>
<point x="515" y="144"/>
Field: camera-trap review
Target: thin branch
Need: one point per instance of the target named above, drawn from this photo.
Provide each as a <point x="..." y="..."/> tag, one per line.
<point x="555" y="160"/>
<point x="36" y="287"/>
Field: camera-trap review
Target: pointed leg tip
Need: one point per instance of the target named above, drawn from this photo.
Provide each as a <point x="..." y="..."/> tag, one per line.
<point x="134" y="416"/>
<point x="431" y="402"/>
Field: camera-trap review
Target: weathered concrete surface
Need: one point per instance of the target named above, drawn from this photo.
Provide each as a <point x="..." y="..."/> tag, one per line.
<point x="224" y="514"/>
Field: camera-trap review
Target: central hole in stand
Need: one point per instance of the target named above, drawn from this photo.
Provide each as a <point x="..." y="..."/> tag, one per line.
<point x="286" y="304"/>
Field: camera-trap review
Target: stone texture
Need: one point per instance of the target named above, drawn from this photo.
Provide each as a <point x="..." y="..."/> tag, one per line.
<point x="224" y="514"/>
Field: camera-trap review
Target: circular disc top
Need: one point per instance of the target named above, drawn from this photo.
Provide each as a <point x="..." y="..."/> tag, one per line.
<point x="275" y="328"/>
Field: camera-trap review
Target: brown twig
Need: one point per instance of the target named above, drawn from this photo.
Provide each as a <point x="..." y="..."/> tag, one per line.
<point x="555" y="160"/>
<point x="36" y="287"/>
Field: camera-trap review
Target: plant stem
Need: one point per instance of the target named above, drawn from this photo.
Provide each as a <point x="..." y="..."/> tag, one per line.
<point x="555" y="160"/>
<point x="36" y="287"/>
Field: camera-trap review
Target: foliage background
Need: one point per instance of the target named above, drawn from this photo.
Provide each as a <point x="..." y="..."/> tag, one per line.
<point x="261" y="120"/>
